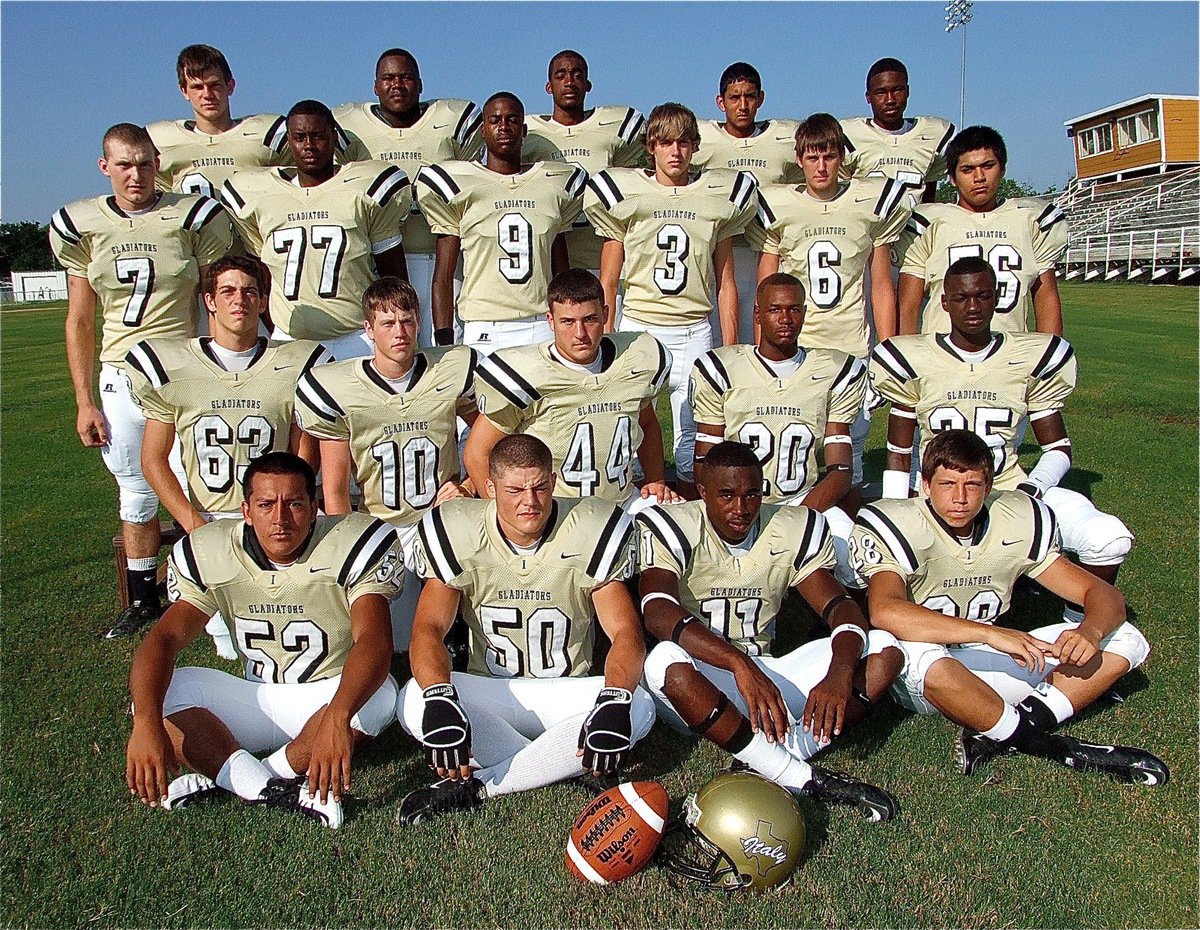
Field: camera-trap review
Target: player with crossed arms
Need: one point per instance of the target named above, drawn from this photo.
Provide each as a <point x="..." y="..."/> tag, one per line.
<point x="137" y="254"/>
<point x="940" y="572"/>
<point x="532" y="575"/>
<point x="715" y="573"/>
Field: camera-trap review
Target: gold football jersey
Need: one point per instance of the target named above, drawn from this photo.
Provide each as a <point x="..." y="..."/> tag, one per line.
<point x="769" y="154"/>
<point x="447" y="130"/>
<point x="291" y="624"/>
<point x="144" y="267"/>
<point x="1020" y="239"/>
<point x="224" y="419"/>
<point x="669" y="235"/>
<point x="1014" y="535"/>
<point x="738" y="596"/>
<point x="781" y="419"/>
<point x="318" y="242"/>
<point x="507" y="225"/>
<point x="590" y="422"/>
<point x="1018" y="374"/>
<point x="529" y="615"/>
<point x="827" y="244"/>
<point x="403" y="446"/>
<point x="609" y="136"/>
<point x="194" y="162"/>
<point x="914" y="156"/>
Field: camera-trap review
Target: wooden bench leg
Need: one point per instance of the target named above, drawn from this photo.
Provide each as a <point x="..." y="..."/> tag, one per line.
<point x="171" y="534"/>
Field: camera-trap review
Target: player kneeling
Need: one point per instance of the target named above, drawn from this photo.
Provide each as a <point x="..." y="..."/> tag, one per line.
<point x="714" y="575"/>
<point x="531" y="573"/>
<point x="941" y="571"/>
<point x="308" y="599"/>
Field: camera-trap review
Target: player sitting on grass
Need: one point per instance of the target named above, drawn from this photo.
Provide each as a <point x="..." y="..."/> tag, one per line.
<point x="941" y="570"/>
<point x="714" y="576"/>
<point x="308" y="599"/>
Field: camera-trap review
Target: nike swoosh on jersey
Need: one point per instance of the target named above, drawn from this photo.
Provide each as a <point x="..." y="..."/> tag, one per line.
<point x="568" y="555"/>
<point x="323" y="568"/>
<point x="611" y="122"/>
<point x="442" y="126"/>
<point x="862" y="199"/>
<point x="778" y="552"/>
<point x="1010" y="542"/>
<point x="638" y="371"/>
<point x="283" y="367"/>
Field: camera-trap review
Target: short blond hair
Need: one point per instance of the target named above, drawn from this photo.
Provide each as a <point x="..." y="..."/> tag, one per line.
<point x="389" y="293"/>
<point x="671" y="122"/>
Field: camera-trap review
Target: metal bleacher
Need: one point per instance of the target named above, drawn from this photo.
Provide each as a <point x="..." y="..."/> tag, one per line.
<point x="1145" y="230"/>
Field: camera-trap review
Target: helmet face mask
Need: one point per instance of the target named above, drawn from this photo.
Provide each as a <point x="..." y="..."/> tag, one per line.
<point x="738" y="831"/>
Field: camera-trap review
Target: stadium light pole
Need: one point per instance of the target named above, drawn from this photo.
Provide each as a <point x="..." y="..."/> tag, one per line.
<point x="958" y="14"/>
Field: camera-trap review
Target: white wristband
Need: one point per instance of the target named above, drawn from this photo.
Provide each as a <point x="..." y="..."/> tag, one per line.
<point x="658" y="594"/>
<point x="895" y="484"/>
<point x="1049" y="470"/>
<point x="849" y="628"/>
<point x="838" y="438"/>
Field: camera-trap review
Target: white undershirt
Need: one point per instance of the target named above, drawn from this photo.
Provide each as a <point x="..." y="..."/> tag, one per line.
<point x="592" y="369"/>
<point x="976" y="356"/>
<point x="231" y="360"/>
<point x="786" y="368"/>
<point x="742" y="549"/>
<point x="399" y="385"/>
<point x="907" y="125"/>
<point x="279" y="566"/>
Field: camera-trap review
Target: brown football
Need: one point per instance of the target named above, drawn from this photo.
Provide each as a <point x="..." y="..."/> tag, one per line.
<point x="618" y="832"/>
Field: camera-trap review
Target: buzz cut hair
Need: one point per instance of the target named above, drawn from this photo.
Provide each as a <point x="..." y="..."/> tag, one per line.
<point x="519" y="451"/>
<point x="740" y="71"/>
<point x="129" y="134"/>
<point x="778" y="279"/>
<point x="312" y="108"/>
<point x="390" y="293"/>
<point x="566" y="53"/>
<point x="574" y="286"/>
<point x="731" y="454"/>
<point x="884" y="66"/>
<point x="246" y="264"/>
<point x="970" y="264"/>
<point x="502" y="95"/>
<point x="280" y="463"/>
<point x="195" y="61"/>
<point x="671" y="122"/>
<point x="397" y="53"/>
<point x="821" y="132"/>
<point x="974" y="139"/>
<point x="957" y="450"/>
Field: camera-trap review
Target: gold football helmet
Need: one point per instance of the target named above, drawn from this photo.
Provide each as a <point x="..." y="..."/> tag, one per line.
<point x="738" y="831"/>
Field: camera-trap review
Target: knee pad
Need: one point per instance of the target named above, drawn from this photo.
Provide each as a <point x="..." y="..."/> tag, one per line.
<point x="1129" y="643"/>
<point x="138" y="504"/>
<point x="410" y="707"/>
<point x="380" y="710"/>
<point x="879" y="640"/>
<point x="188" y="688"/>
<point x="661" y="657"/>
<point x="908" y="690"/>
<point x="641" y="713"/>
<point x="1103" y="540"/>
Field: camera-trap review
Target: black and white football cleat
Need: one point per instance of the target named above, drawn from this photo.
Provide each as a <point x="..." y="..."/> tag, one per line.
<point x="133" y="619"/>
<point x="1126" y="764"/>
<point x="292" y="794"/>
<point x="441" y="798"/>
<point x="875" y="804"/>
<point x="973" y="751"/>
<point x="191" y="790"/>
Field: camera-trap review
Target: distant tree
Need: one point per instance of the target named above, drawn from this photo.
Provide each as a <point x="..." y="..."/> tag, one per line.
<point x="25" y="247"/>
<point x="1009" y="187"/>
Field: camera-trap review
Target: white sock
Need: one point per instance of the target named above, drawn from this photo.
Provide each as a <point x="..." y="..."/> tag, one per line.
<point x="1005" y="727"/>
<point x="548" y="759"/>
<point x="142" y="565"/>
<point x="277" y="763"/>
<point x="244" y="775"/>
<point x="1058" y="702"/>
<point x="775" y="762"/>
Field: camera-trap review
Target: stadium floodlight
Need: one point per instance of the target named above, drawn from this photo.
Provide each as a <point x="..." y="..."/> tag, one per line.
<point x="958" y="14"/>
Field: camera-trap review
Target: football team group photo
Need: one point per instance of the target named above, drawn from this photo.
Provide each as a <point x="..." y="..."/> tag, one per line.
<point x="548" y="493"/>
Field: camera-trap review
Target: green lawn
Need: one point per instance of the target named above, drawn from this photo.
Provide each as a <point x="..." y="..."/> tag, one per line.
<point x="1030" y="845"/>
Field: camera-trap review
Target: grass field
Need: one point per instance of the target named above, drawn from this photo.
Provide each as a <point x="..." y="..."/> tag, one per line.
<point x="1030" y="845"/>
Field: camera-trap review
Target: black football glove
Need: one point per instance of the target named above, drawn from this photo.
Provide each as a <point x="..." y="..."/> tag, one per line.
<point x="607" y="733"/>
<point x="445" y="728"/>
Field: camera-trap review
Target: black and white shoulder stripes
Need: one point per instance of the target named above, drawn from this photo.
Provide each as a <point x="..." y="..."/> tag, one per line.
<point x="1058" y="353"/>
<point x="711" y="370"/>
<point x="891" y="360"/>
<point x="389" y="182"/>
<point x="436" y="541"/>
<point x="311" y="393"/>
<point x="605" y="188"/>
<point x="816" y="532"/>
<point x="372" y="543"/>
<point x="145" y="360"/>
<point x="507" y="381"/>
<point x="468" y="124"/>
<point x="659" y="522"/>
<point x="890" y="536"/>
<point x="65" y="227"/>
<point x="614" y="539"/>
<point x="440" y="181"/>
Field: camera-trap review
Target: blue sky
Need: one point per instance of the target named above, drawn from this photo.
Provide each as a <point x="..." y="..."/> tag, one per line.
<point x="69" y="70"/>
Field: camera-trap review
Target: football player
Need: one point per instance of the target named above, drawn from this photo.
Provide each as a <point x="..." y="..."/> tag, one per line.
<point x="136" y="256"/>
<point x="228" y="396"/>
<point x="985" y="381"/>
<point x="308" y="595"/>
<point x="940" y="571"/>
<point x="743" y="143"/>
<point x="404" y="130"/>
<point x="886" y="144"/>
<point x="714" y="575"/>
<point x="586" y="395"/>
<point x="830" y="233"/>
<point x="669" y="234"/>
<point x="198" y="155"/>
<point x="781" y="399"/>
<point x="325" y="231"/>
<point x="507" y="220"/>
<point x="389" y="421"/>
<point x="1021" y="238"/>
<point x="592" y="139"/>
<point x="532" y="575"/>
